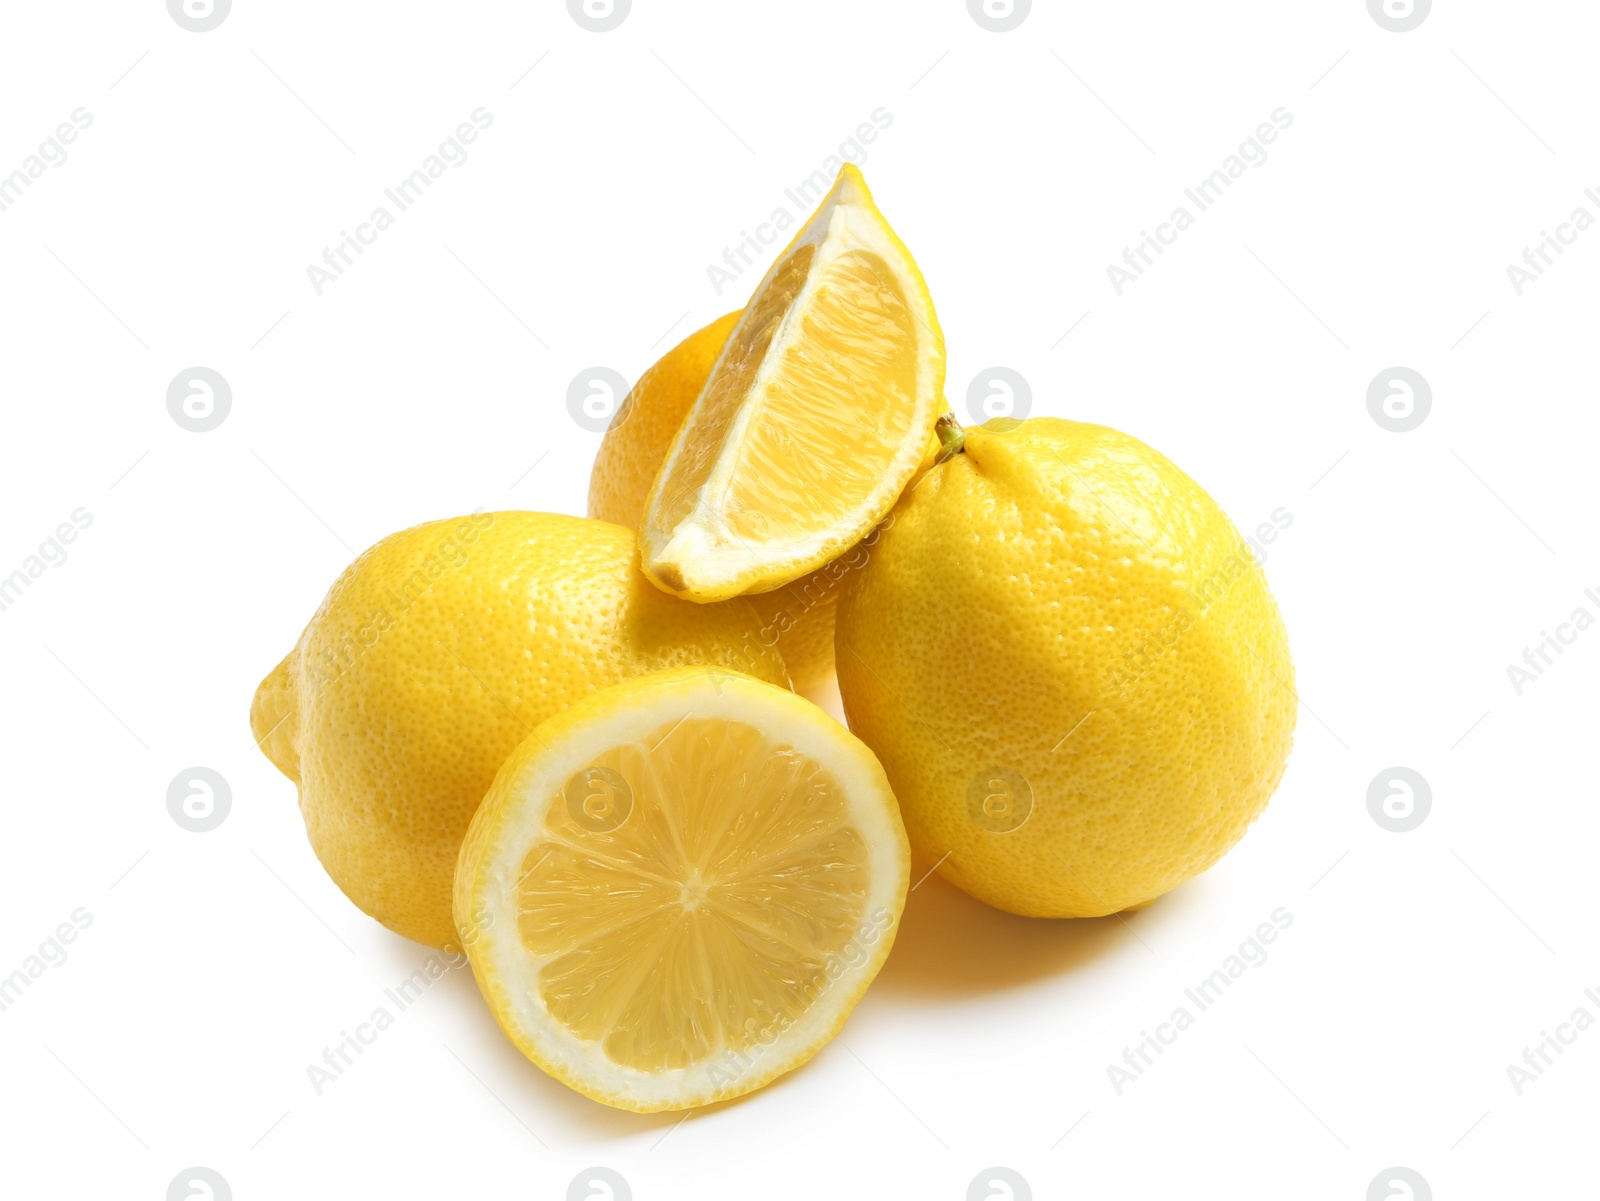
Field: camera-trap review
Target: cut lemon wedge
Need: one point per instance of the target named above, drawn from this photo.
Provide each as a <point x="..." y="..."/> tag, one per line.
<point x="677" y="889"/>
<point x="813" y="418"/>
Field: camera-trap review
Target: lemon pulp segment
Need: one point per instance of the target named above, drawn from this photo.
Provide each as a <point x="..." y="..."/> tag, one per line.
<point x="813" y="418"/>
<point x="710" y="913"/>
<point x="811" y="436"/>
<point x="678" y="889"/>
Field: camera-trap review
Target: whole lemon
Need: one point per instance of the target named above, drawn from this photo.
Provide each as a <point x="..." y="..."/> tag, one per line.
<point x="797" y="618"/>
<point x="1069" y="663"/>
<point x="433" y="656"/>
<point x="645" y="423"/>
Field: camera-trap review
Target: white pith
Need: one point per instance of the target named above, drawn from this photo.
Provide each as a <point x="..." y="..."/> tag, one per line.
<point x="506" y="966"/>
<point x="702" y="550"/>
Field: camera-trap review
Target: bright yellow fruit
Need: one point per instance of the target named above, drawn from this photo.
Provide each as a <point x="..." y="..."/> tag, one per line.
<point x="677" y="889"/>
<point x="814" y="417"/>
<point x="432" y="657"/>
<point x="1070" y="665"/>
<point x="798" y="616"/>
<point x="645" y="424"/>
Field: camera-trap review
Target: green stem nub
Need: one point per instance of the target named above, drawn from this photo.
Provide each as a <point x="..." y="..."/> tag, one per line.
<point x="951" y="436"/>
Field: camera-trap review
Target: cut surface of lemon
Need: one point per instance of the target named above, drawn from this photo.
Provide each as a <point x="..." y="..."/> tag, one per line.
<point x="677" y="889"/>
<point x="814" y="417"/>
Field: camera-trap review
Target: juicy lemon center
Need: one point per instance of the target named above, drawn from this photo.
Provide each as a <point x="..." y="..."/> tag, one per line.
<point x="691" y="894"/>
<point x="836" y="404"/>
<point x="729" y="383"/>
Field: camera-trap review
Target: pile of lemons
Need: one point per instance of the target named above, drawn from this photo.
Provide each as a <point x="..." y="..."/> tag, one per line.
<point x="570" y="745"/>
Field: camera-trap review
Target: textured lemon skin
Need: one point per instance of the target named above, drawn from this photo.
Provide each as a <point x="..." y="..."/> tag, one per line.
<point x="492" y="826"/>
<point x="642" y="431"/>
<point x="1061" y="602"/>
<point x="797" y="618"/>
<point x="432" y="657"/>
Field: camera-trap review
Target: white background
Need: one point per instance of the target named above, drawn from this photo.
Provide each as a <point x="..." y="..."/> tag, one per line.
<point x="431" y="377"/>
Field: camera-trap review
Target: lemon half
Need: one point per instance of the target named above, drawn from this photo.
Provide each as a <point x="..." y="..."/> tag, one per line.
<point x="677" y="889"/>
<point x="432" y="657"/>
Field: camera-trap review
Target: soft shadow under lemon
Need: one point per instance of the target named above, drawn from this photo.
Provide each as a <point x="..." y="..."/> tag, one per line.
<point x="950" y="945"/>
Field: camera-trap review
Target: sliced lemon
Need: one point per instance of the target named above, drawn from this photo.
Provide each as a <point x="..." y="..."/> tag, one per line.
<point x="678" y="888"/>
<point x="814" y="417"/>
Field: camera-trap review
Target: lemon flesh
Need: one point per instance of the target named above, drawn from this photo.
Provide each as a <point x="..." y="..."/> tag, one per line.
<point x="641" y="432"/>
<point x="813" y="419"/>
<point x="797" y="618"/>
<point x="1071" y="667"/>
<point x="677" y="890"/>
<point x="432" y="657"/>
